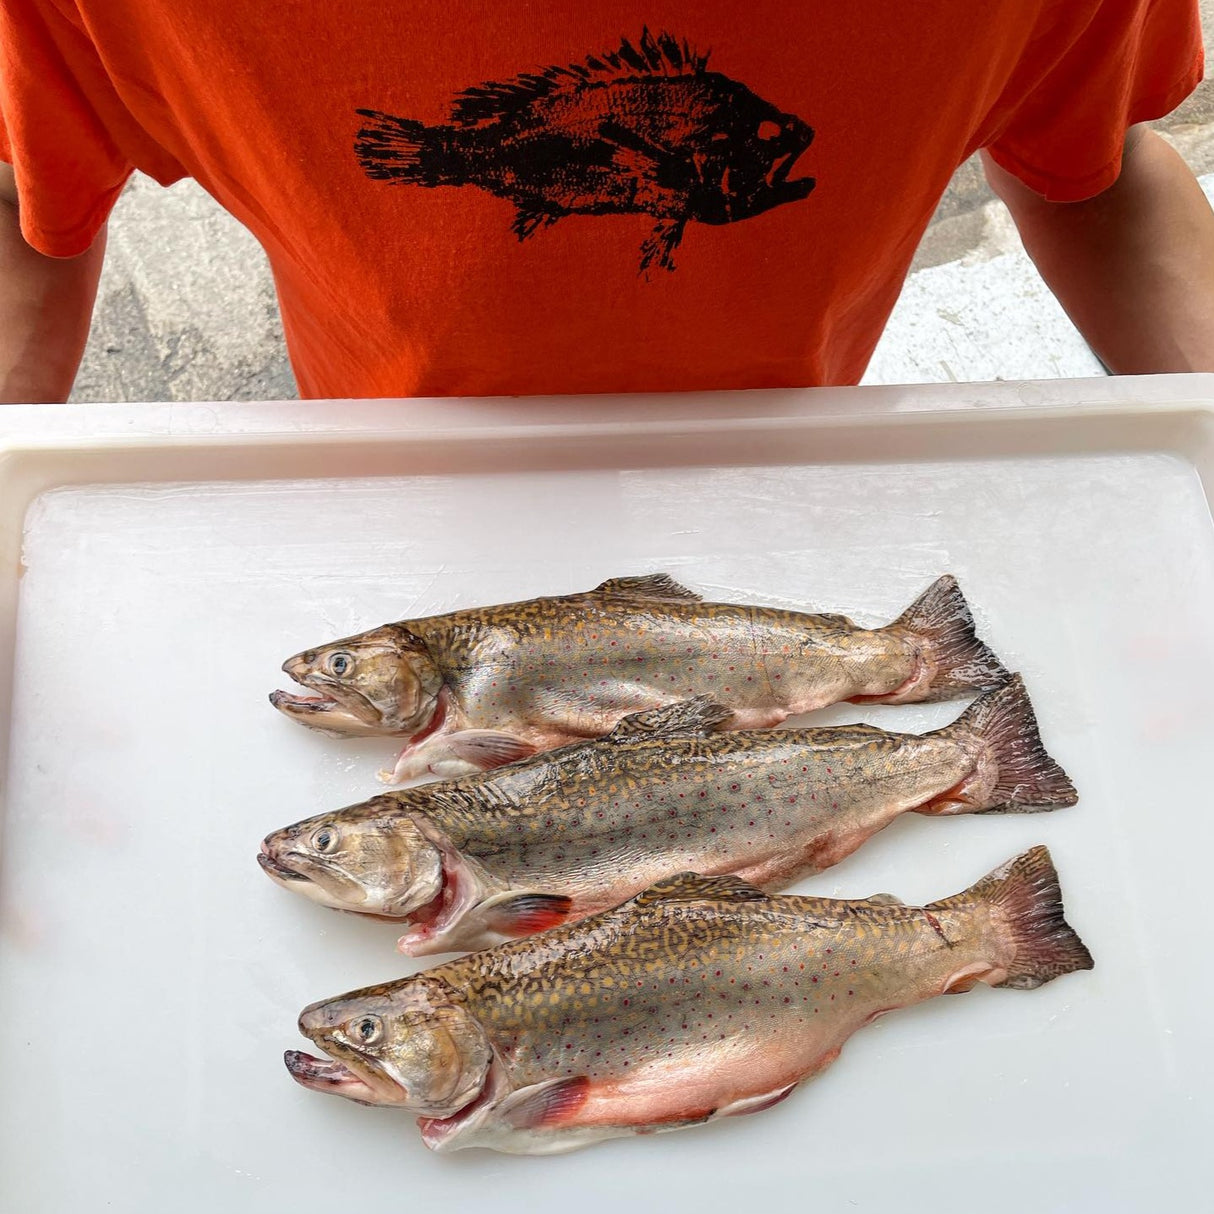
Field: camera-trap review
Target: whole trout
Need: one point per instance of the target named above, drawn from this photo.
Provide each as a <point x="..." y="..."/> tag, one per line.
<point x="701" y="998"/>
<point x="575" y="831"/>
<point x="478" y="688"/>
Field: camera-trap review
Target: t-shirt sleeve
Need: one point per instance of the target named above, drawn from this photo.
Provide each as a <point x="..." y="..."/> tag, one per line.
<point x="63" y="127"/>
<point x="1133" y="61"/>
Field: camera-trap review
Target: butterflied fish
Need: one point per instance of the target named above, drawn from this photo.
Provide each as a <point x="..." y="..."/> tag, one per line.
<point x="703" y="997"/>
<point x="478" y="688"/>
<point x="578" y="830"/>
<point x="647" y="129"/>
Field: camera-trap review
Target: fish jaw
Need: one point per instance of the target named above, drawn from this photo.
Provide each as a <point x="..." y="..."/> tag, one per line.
<point x="407" y="1044"/>
<point x="332" y="709"/>
<point x="382" y="682"/>
<point x="325" y="1075"/>
<point x="369" y="859"/>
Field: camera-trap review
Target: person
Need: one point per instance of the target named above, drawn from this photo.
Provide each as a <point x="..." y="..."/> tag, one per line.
<point x="505" y="197"/>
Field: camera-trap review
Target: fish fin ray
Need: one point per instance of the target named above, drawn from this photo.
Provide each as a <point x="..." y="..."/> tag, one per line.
<point x="400" y="150"/>
<point x="527" y="222"/>
<point x="693" y="887"/>
<point x="524" y="914"/>
<point x="940" y="619"/>
<point x="699" y="716"/>
<point x="545" y="1105"/>
<point x="658" y="586"/>
<point x="488" y="748"/>
<point x="660" y="244"/>
<point x="1026" y="893"/>
<point x="660" y="55"/>
<point x="757" y="1104"/>
<point x="1028" y="780"/>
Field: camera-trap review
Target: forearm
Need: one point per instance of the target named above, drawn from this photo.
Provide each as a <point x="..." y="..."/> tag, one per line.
<point x="1134" y="266"/>
<point x="46" y="304"/>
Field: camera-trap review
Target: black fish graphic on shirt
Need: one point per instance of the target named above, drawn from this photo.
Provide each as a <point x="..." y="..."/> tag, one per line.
<point x="645" y="129"/>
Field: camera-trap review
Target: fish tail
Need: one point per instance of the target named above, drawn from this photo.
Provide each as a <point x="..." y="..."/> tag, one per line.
<point x="1013" y="773"/>
<point x="957" y="660"/>
<point x="401" y="150"/>
<point x="1027" y="896"/>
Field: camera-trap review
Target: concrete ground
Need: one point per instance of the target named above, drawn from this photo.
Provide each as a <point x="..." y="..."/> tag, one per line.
<point x="186" y="307"/>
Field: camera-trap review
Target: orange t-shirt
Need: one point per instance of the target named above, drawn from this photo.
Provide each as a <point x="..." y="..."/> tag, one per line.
<point x="505" y="196"/>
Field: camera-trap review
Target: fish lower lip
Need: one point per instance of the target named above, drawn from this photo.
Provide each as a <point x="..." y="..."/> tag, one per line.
<point x="315" y="1071"/>
<point x="778" y="173"/>
<point x="275" y="869"/>
<point x="316" y="703"/>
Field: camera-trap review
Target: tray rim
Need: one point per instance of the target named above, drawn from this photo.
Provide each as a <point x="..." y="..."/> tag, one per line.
<point x="44" y="447"/>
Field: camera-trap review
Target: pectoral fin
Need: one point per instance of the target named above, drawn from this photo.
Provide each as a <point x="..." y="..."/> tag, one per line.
<point x="545" y="1105"/>
<point x="524" y="914"/>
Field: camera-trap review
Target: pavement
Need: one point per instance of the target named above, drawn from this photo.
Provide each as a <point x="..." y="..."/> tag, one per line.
<point x="186" y="307"/>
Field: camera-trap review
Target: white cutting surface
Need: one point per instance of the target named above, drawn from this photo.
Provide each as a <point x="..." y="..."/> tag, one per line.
<point x="150" y="975"/>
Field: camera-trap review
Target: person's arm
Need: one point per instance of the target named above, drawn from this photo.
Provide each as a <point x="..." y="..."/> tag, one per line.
<point x="46" y="304"/>
<point x="1133" y="266"/>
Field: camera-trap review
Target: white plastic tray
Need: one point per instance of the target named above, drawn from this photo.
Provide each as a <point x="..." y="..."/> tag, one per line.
<point x="150" y="975"/>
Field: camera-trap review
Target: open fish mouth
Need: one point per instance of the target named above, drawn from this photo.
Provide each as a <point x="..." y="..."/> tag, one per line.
<point x="276" y="868"/>
<point x="328" y="1075"/>
<point x="347" y="711"/>
<point x="779" y="172"/>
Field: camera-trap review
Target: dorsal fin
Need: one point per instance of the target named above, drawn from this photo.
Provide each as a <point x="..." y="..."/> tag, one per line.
<point x="699" y="716"/>
<point x="691" y="887"/>
<point x="660" y="55"/>
<point x="647" y="586"/>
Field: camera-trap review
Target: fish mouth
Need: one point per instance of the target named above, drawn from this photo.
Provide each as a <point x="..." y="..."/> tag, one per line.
<point x="330" y="706"/>
<point x="276" y="868"/>
<point x="778" y="174"/>
<point x="326" y="1075"/>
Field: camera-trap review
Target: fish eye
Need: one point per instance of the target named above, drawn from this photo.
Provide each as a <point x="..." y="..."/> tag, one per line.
<point x="769" y="130"/>
<point x="366" y="1030"/>
<point x="325" y="840"/>
<point x="340" y="663"/>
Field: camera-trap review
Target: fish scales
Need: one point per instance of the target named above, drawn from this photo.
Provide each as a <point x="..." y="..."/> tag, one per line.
<point x="702" y="997"/>
<point x="480" y="687"/>
<point x="576" y="830"/>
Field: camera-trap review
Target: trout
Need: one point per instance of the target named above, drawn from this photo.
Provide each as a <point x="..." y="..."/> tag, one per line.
<point x="477" y="688"/>
<point x="701" y="998"/>
<point x="575" y="831"/>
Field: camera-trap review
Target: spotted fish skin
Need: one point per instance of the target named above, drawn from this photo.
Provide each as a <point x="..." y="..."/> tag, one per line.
<point x="578" y="830"/>
<point x="510" y="680"/>
<point x="704" y="997"/>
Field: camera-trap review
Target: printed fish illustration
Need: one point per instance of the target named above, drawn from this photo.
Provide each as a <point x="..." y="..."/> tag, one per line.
<point x="701" y="998"/>
<point x="647" y="129"/>
<point x="477" y="688"/>
<point x="573" y="832"/>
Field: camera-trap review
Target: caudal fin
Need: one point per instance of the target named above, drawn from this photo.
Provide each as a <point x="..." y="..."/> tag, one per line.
<point x="958" y="661"/>
<point x="1013" y="773"/>
<point x="400" y="150"/>
<point x="1026" y="893"/>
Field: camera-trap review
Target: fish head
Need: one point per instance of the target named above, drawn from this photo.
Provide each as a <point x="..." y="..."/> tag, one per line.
<point x="380" y="682"/>
<point x="408" y="1044"/>
<point x="370" y="858"/>
<point x="744" y="155"/>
